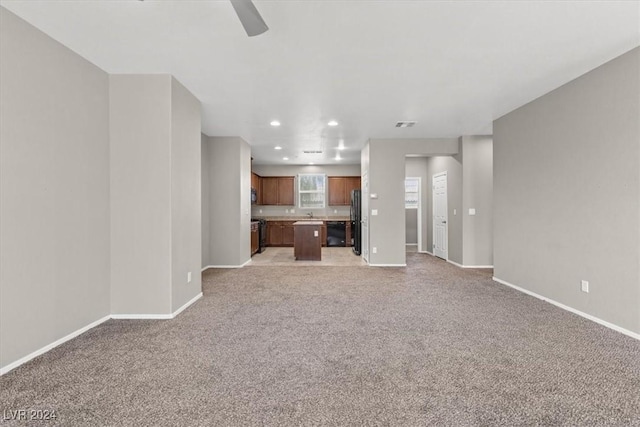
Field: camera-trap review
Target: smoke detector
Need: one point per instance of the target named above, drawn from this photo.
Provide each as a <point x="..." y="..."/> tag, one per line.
<point x="405" y="124"/>
<point x="312" y="151"/>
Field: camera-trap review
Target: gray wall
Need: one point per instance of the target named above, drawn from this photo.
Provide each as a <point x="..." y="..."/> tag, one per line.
<point x="567" y="193"/>
<point x="386" y="171"/>
<point x="54" y="190"/>
<point x="294" y="170"/>
<point x="228" y="165"/>
<point x="140" y="109"/>
<point x="477" y="193"/>
<point x="186" y="230"/>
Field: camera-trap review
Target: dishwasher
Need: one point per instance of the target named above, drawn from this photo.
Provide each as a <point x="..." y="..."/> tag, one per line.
<point x="336" y="233"/>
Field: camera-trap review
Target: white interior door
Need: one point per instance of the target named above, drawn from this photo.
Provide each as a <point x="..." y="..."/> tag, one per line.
<point x="440" y="230"/>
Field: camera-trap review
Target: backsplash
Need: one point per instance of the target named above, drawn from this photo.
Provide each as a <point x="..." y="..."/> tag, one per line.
<point x="280" y="211"/>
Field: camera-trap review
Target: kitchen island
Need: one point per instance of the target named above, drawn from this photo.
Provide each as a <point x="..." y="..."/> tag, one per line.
<point x="307" y="240"/>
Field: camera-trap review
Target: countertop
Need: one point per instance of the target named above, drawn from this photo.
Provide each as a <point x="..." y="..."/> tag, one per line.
<point x="308" y="222"/>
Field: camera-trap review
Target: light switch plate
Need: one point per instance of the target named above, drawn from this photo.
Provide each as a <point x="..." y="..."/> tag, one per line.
<point x="374" y="195"/>
<point x="584" y="286"/>
<point x="189" y="277"/>
<point x="315" y="233"/>
<point x="374" y="212"/>
<point x="472" y="211"/>
<point x="455" y="212"/>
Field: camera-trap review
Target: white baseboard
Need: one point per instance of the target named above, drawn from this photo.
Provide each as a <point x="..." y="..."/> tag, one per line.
<point x="92" y="325"/>
<point x="54" y="344"/>
<point x="571" y="309"/>
<point x="150" y="316"/>
<point x="469" y="266"/>
<point x="411" y="244"/>
<point x="184" y="307"/>
<point x="228" y="266"/>
<point x="156" y="316"/>
<point x="206" y="268"/>
<point x="425" y="252"/>
<point x="387" y="265"/>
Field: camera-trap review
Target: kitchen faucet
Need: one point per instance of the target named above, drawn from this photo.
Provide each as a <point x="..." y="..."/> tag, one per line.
<point x="310" y="214"/>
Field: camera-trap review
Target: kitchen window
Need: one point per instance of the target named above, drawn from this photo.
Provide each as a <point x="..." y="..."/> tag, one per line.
<point x="311" y="190"/>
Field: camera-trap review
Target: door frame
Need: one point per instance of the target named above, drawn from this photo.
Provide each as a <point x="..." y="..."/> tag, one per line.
<point x="419" y="213"/>
<point x="433" y="214"/>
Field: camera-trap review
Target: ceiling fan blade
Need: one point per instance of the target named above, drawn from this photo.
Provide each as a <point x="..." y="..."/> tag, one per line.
<point x="249" y="17"/>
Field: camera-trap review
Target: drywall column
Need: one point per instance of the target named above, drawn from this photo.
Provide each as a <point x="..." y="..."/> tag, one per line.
<point x="477" y="194"/>
<point x="386" y="189"/>
<point x="567" y="194"/>
<point x="228" y="166"/>
<point x="155" y="195"/>
<point x="186" y="229"/>
<point x="140" y="111"/>
<point x="206" y="200"/>
<point x="54" y="191"/>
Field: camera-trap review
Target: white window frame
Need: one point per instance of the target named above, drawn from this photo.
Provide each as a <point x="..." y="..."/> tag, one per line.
<point x="323" y="192"/>
<point x="411" y="192"/>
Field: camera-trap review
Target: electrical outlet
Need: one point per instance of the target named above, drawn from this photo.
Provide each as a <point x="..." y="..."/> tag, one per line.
<point x="292" y="211"/>
<point x="584" y="286"/>
<point x="455" y="211"/>
<point x="189" y="277"/>
<point x="374" y="212"/>
<point x="315" y="233"/>
<point x="335" y="211"/>
<point x="374" y="250"/>
<point x="286" y="211"/>
<point x="472" y="211"/>
<point x="260" y="210"/>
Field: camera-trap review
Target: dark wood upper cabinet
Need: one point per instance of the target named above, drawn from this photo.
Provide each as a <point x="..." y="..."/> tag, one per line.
<point x="256" y="184"/>
<point x="278" y="190"/>
<point x="286" y="191"/>
<point x="340" y="189"/>
<point x="269" y="190"/>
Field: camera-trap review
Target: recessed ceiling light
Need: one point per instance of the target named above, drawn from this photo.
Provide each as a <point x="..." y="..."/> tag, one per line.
<point x="285" y="158"/>
<point x="311" y="163"/>
<point x="338" y="157"/>
<point x="275" y="123"/>
<point x="277" y="147"/>
<point x="333" y="123"/>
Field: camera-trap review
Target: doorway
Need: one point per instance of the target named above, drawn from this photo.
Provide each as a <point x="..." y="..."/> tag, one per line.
<point x="413" y="214"/>
<point x="440" y="227"/>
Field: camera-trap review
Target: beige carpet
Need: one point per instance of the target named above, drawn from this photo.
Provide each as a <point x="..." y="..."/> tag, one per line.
<point x="302" y="345"/>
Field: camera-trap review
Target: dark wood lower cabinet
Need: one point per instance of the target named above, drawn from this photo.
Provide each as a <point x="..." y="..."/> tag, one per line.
<point x="255" y="238"/>
<point x="280" y="233"/>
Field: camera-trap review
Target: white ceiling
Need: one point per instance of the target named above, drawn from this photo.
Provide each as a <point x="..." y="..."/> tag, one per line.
<point x="452" y="66"/>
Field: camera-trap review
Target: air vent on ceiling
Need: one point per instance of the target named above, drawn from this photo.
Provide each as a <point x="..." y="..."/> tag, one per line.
<point x="312" y="151"/>
<point x="405" y="124"/>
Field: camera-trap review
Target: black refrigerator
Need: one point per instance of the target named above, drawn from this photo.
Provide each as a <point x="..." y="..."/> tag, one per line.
<point x="356" y="225"/>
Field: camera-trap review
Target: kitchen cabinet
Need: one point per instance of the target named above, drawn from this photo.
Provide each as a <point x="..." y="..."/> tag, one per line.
<point x="340" y="189"/>
<point x="255" y="237"/>
<point x="280" y="233"/>
<point x="278" y="190"/>
<point x="307" y="245"/>
<point x="323" y="231"/>
<point x="256" y="185"/>
<point x="287" y="234"/>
